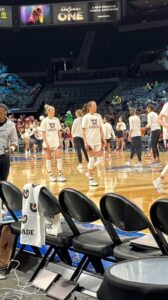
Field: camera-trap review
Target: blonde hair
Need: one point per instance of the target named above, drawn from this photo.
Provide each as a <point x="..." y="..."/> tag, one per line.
<point x="47" y="108"/>
<point x="78" y="113"/>
<point x="132" y="111"/>
<point x="89" y="104"/>
<point x="85" y="109"/>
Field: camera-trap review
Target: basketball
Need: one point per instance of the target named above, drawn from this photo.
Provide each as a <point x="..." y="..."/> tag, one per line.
<point x="143" y="131"/>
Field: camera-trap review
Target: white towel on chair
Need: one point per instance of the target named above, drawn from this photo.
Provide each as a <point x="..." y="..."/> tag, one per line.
<point x="53" y="225"/>
<point x="33" y="223"/>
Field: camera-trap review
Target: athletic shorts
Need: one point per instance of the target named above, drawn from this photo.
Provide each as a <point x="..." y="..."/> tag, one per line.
<point x="38" y="142"/>
<point x="95" y="148"/>
<point x="108" y="141"/>
<point x="53" y="148"/>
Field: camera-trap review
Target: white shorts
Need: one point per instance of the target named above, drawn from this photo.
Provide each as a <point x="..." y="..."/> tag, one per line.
<point x="56" y="147"/>
<point x="95" y="148"/>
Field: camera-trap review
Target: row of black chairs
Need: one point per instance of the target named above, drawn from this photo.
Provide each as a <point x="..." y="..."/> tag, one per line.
<point x="115" y="212"/>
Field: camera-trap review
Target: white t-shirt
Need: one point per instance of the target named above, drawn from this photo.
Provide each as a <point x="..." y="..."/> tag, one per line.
<point x="38" y="133"/>
<point x="152" y="121"/>
<point x="108" y="131"/>
<point x="51" y="128"/>
<point x="8" y="135"/>
<point x="28" y="132"/>
<point x="165" y="131"/>
<point x="164" y="110"/>
<point x="121" y="126"/>
<point x="92" y="124"/>
<point x="135" y="126"/>
<point x="77" y="128"/>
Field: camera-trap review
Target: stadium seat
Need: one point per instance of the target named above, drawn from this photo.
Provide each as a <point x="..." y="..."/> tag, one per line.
<point x="95" y="245"/>
<point x="158" y="214"/>
<point x="128" y="217"/>
<point x="12" y="198"/>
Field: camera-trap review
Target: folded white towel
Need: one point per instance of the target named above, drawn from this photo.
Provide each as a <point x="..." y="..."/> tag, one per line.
<point x="33" y="222"/>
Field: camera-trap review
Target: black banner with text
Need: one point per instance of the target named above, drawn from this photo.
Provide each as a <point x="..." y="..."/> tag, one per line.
<point x="86" y="12"/>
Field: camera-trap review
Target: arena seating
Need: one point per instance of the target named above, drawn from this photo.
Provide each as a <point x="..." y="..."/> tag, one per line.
<point x="70" y="97"/>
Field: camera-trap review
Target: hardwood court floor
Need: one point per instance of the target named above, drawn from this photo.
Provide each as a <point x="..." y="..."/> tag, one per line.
<point x="132" y="183"/>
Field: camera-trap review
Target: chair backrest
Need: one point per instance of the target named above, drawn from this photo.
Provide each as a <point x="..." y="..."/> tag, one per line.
<point x="159" y="218"/>
<point x="49" y="203"/>
<point x="159" y="215"/>
<point x="11" y="195"/>
<point x="82" y="209"/>
<point x="78" y="206"/>
<point x="122" y="213"/>
<point x="127" y="216"/>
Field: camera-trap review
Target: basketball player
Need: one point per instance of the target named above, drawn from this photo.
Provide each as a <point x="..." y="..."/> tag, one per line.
<point x="155" y="132"/>
<point x="162" y="121"/>
<point x="165" y="137"/>
<point x="135" y="137"/>
<point x="8" y="141"/>
<point x="108" y="133"/>
<point x="120" y="129"/>
<point x="78" y="138"/>
<point x="51" y="132"/>
<point x="93" y="135"/>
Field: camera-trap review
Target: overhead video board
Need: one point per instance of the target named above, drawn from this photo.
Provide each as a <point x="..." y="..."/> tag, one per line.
<point x="36" y="15"/>
<point x="5" y="16"/>
<point x="70" y="13"/>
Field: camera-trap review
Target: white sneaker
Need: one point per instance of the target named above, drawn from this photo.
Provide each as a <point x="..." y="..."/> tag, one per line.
<point x="93" y="182"/>
<point x="128" y="163"/>
<point x="26" y="153"/>
<point x="79" y="167"/>
<point x="52" y="178"/>
<point x="61" y="178"/>
<point x="158" y="185"/>
<point x="138" y="165"/>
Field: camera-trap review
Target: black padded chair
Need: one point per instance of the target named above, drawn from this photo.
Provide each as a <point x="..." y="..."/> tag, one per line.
<point x="159" y="218"/>
<point x="128" y="217"/>
<point x="12" y="198"/>
<point x="95" y="245"/>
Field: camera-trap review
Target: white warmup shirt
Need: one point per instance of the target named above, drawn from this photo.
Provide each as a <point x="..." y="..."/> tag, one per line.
<point x="121" y="126"/>
<point x="77" y="128"/>
<point x="152" y="121"/>
<point x="135" y="126"/>
<point x="8" y="136"/>
<point x="108" y="131"/>
<point x="164" y="110"/>
<point x="51" y="128"/>
<point x="38" y="133"/>
<point x="92" y="125"/>
<point x="28" y="133"/>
